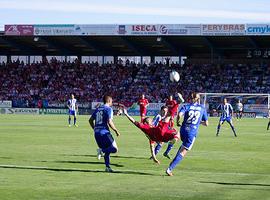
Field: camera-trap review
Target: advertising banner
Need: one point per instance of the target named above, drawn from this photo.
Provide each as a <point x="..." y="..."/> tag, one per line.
<point x="257" y="108"/>
<point x="159" y="29"/>
<point x="19" y="30"/>
<point x="258" y="29"/>
<point x="5" y="104"/>
<point x="223" y="29"/>
<point x="51" y="29"/>
<point x="88" y="29"/>
<point x="28" y="111"/>
<point x="50" y="111"/>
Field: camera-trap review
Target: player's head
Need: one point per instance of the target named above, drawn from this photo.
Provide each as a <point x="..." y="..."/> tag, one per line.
<point x="147" y="120"/>
<point x="225" y="100"/>
<point x="72" y="96"/>
<point x="107" y="100"/>
<point x="170" y="97"/>
<point x="164" y="110"/>
<point x="143" y="96"/>
<point x="195" y="97"/>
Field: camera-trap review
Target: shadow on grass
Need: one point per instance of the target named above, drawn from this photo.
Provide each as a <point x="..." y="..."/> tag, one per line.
<point x="245" y="184"/>
<point x="82" y="162"/>
<point x="113" y="156"/>
<point x="72" y="170"/>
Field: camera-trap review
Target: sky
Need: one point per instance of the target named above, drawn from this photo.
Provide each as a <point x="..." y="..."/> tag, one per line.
<point x="133" y="11"/>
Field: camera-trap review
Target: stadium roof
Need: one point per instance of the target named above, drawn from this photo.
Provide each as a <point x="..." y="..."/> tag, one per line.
<point x="131" y="45"/>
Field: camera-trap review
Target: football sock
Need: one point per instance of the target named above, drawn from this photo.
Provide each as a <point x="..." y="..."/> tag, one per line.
<point x="176" y="160"/>
<point x="218" y="128"/>
<point x="268" y="125"/>
<point x="69" y="119"/>
<point x="107" y="159"/>
<point x="75" y="119"/>
<point x="233" y="129"/>
<point x="157" y="148"/>
<point x="169" y="148"/>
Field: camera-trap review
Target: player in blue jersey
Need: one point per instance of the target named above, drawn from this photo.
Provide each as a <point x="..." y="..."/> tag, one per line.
<point x="100" y="121"/>
<point x="226" y="110"/>
<point x="72" y="110"/>
<point x="194" y="114"/>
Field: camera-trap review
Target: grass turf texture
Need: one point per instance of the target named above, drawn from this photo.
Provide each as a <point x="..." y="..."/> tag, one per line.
<point x="42" y="158"/>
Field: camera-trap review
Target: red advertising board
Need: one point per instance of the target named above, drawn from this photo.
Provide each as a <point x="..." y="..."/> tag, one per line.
<point x="19" y="30"/>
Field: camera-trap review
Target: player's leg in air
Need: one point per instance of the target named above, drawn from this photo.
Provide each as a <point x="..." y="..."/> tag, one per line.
<point x="229" y="120"/>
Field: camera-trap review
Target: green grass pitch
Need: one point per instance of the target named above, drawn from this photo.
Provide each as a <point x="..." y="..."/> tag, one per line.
<point x="42" y="158"/>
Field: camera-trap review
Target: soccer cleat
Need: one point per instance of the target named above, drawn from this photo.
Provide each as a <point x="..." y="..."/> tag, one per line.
<point x="108" y="169"/>
<point x="167" y="156"/>
<point x="69" y="125"/>
<point x="99" y="154"/>
<point x="169" y="172"/>
<point x="75" y="125"/>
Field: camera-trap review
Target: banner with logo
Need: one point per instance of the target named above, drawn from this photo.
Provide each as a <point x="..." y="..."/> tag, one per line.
<point x="54" y="29"/>
<point x="53" y="111"/>
<point x="5" y="104"/>
<point x="258" y="29"/>
<point x="222" y="29"/>
<point x="19" y="30"/>
<point x="257" y="108"/>
<point x="95" y="29"/>
<point x="27" y="111"/>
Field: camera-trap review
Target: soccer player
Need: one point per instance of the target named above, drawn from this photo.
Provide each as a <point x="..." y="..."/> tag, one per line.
<point x="226" y="110"/>
<point x="269" y="120"/>
<point x="239" y="109"/>
<point x="160" y="133"/>
<point x="100" y="121"/>
<point x="194" y="114"/>
<point x="72" y="110"/>
<point x="143" y="103"/>
<point x="173" y="106"/>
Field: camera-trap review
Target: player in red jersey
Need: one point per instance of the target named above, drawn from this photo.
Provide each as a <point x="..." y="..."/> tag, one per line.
<point x="173" y="106"/>
<point x="160" y="133"/>
<point x="143" y="103"/>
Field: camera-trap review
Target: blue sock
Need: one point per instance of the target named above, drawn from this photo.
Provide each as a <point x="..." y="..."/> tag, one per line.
<point x="218" y="128"/>
<point x="157" y="149"/>
<point x="107" y="152"/>
<point x="169" y="148"/>
<point x="75" y="120"/>
<point x="107" y="159"/>
<point x="69" y="119"/>
<point x="176" y="160"/>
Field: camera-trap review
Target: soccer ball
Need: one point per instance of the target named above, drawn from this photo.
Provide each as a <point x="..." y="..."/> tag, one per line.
<point x="174" y="76"/>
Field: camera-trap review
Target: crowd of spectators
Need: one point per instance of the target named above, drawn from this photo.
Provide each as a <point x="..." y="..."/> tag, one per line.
<point x="54" y="81"/>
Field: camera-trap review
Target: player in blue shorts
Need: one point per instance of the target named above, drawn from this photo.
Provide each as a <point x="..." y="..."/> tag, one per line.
<point x="226" y="110"/>
<point x="194" y="115"/>
<point x="100" y="121"/>
<point x="72" y="110"/>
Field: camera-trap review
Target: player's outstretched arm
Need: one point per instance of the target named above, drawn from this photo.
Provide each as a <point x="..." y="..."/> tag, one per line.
<point x="178" y="119"/>
<point x="152" y="149"/>
<point x="180" y="98"/>
<point x="128" y="116"/>
<point x="91" y="122"/>
<point x="111" y="124"/>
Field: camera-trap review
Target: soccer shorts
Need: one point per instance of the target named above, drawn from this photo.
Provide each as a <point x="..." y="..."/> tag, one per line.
<point x="187" y="139"/>
<point x="223" y="119"/>
<point x="104" y="140"/>
<point x="72" y="112"/>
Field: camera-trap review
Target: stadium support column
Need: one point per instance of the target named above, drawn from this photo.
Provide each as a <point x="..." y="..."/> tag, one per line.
<point x="79" y="59"/>
<point x="152" y="59"/>
<point x="8" y="58"/>
<point x="141" y="59"/>
<point x="115" y="59"/>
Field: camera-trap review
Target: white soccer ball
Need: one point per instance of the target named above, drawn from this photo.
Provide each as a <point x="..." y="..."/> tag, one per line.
<point x="174" y="76"/>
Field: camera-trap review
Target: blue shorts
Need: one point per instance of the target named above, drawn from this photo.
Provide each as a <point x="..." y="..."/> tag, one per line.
<point x="104" y="140"/>
<point x="188" y="139"/>
<point x="72" y="112"/>
<point x="223" y="119"/>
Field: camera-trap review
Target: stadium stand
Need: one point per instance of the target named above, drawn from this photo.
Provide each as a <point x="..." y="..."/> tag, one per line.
<point x="54" y="81"/>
